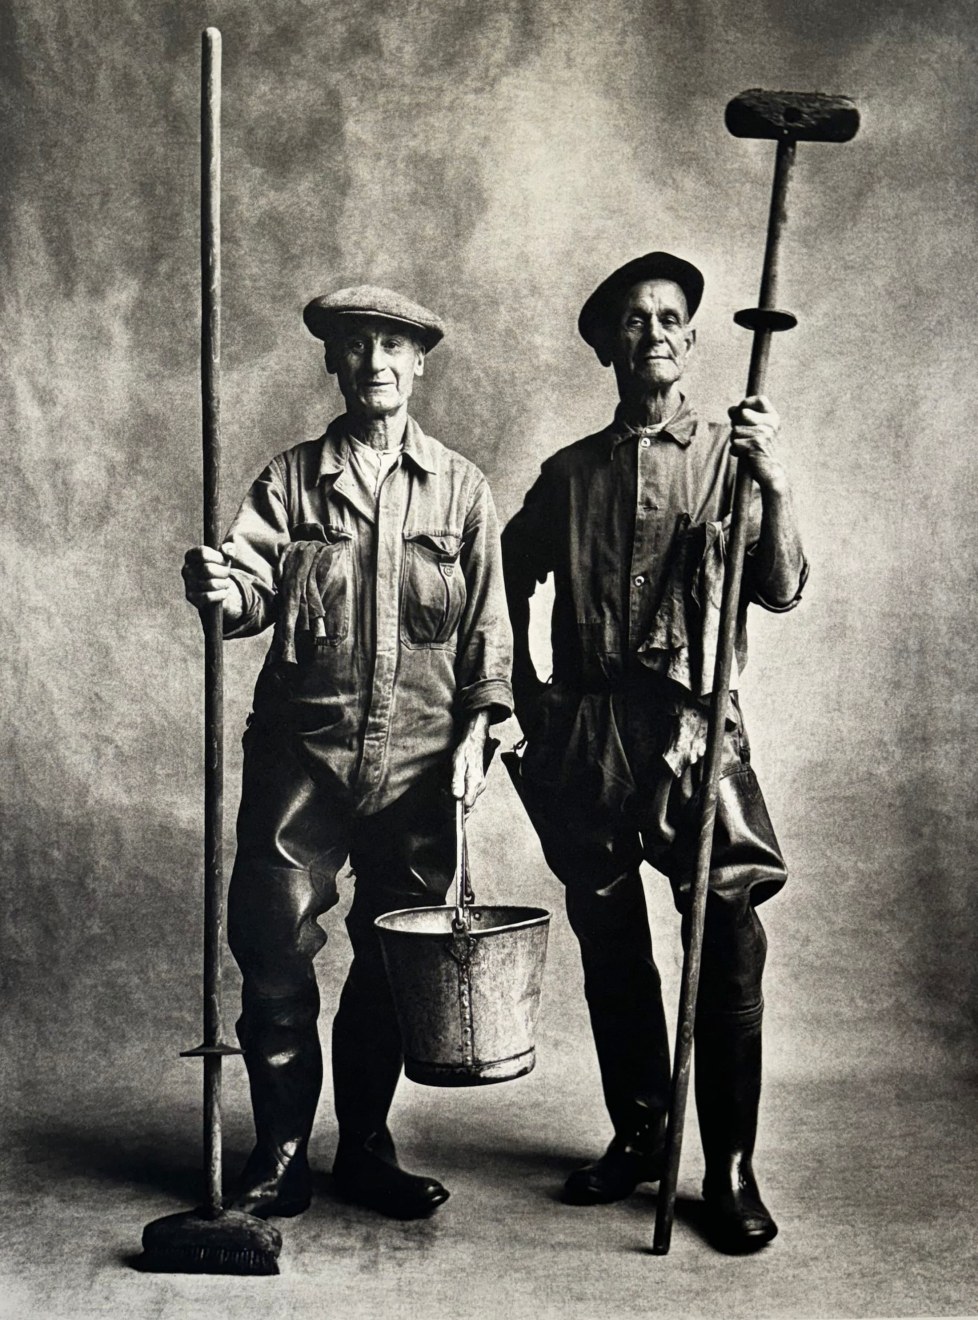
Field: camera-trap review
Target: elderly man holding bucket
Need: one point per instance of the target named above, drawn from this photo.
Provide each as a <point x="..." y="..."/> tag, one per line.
<point x="374" y="552"/>
<point x="630" y="522"/>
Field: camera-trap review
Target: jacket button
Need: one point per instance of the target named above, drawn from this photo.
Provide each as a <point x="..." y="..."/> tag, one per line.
<point x="640" y="581"/>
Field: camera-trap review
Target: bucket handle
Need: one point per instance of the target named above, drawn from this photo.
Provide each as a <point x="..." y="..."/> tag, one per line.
<point x="464" y="897"/>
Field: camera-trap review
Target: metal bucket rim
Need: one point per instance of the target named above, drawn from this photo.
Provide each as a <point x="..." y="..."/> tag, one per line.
<point x="541" y="917"/>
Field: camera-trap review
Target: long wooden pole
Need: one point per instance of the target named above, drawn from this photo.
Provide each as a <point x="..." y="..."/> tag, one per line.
<point x="210" y="381"/>
<point x="763" y="322"/>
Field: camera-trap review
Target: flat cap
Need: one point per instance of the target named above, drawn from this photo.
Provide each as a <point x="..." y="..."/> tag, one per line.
<point x="653" y="266"/>
<point x="321" y="314"/>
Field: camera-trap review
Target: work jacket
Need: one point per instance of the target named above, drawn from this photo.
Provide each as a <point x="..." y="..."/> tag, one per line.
<point x="631" y="523"/>
<point x="413" y="634"/>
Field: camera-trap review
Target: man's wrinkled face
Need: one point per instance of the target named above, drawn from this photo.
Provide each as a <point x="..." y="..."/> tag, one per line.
<point x="376" y="363"/>
<point x="650" y="338"/>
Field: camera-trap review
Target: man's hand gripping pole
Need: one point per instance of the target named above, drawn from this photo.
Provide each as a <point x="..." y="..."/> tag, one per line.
<point x="786" y="118"/>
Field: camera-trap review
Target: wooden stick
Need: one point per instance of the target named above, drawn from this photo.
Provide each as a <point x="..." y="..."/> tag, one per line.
<point x="210" y="384"/>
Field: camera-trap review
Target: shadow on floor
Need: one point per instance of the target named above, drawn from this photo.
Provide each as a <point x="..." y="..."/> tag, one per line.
<point x="156" y="1153"/>
<point x="160" y="1152"/>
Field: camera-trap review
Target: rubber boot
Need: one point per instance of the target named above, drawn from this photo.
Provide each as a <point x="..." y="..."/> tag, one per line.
<point x="728" y="1091"/>
<point x="283" y="1056"/>
<point x="367" y="1061"/>
<point x="624" y="998"/>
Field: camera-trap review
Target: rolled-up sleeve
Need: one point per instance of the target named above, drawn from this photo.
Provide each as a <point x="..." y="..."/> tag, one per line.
<point x="253" y="547"/>
<point x="757" y="597"/>
<point x="484" y="659"/>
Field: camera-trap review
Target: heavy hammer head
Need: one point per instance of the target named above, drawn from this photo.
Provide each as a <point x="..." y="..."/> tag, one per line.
<point x="796" y="116"/>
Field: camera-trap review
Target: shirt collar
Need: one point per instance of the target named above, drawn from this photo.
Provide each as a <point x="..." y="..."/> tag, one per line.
<point x="418" y="447"/>
<point x="681" y="428"/>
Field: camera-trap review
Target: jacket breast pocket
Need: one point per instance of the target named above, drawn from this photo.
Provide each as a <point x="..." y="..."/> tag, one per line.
<point x="433" y="595"/>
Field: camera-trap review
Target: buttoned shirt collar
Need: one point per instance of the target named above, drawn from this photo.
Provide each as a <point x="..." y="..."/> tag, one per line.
<point x="336" y="452"/>
<point x="681" y="428"/>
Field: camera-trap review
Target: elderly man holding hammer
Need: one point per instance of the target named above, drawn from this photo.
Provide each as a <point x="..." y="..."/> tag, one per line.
<point x="630" y="523"/>
<point x="374" y="552"/>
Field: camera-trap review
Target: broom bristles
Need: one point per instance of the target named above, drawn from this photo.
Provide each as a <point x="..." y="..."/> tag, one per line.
<point x="199" y="1242"/>
<point x="209" y="1260"/>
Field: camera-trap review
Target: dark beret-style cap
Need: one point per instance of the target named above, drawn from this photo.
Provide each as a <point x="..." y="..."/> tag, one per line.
<point x="321" y="314"/>
<point x="653" y="266"/>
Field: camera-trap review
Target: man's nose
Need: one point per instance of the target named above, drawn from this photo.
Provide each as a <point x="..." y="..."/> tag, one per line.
<point x="376" y="358"/>
<point x="656" y="332"/>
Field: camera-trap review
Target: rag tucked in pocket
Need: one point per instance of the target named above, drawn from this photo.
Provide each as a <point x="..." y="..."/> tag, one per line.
<point x="434" y="594"/>
<point x="314" y="588"/>
<point x="683" y="638"/>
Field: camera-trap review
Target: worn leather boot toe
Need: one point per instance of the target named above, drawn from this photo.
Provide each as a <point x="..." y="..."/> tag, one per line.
<point x="370" y="1176"/>
<point x="271" y="1186"/>
<point x="614" y="1176"/>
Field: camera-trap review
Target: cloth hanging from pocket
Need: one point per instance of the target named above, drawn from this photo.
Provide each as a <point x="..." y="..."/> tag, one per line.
<point x="303" y="566"/>
<point x="684" y="635"/>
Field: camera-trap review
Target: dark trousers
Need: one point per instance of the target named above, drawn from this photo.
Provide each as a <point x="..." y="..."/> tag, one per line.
<point x="597" y="858"/>
<point x="623" y="989"/>
<point x="294" y="836"/>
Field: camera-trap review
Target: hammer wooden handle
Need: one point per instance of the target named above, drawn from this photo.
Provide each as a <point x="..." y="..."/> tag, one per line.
<point x="719" y="703"/>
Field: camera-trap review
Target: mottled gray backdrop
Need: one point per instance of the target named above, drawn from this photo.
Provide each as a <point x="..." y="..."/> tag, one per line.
<point x="494" y="161"/>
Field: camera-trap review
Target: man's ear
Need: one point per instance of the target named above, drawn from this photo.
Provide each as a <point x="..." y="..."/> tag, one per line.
<point x="329" y="353"/>
<point x="419" y="365"/>
<point x="690" y="338"/>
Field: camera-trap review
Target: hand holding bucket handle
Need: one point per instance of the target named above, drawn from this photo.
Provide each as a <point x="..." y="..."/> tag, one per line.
<point x="464" y="896"/>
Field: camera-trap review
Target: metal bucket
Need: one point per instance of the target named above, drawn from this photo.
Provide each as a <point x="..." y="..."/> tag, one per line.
<point x="466" y="984"/>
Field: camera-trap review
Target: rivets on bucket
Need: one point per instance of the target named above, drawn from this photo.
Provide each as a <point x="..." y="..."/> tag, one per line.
<point x="465" y="1005"/>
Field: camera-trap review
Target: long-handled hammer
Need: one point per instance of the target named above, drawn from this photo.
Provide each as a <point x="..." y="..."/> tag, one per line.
<point x="786" y="118"/>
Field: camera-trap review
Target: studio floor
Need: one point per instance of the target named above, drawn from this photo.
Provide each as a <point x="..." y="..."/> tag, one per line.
<point x="873" y="1183"/>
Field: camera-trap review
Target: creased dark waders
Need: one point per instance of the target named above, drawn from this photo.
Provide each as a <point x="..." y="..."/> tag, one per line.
<point x="294" y="835"/>
<point x="598" y="862"/>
